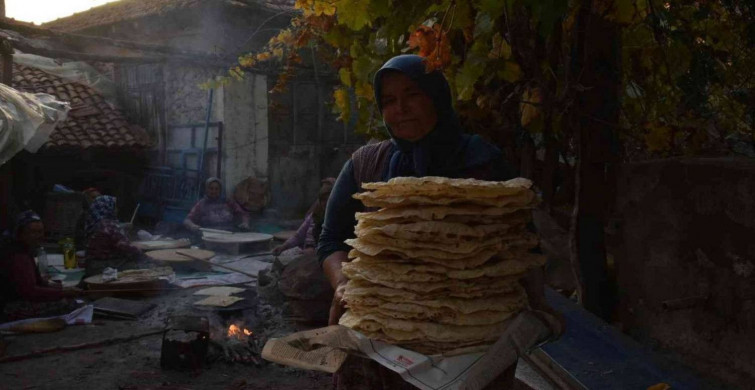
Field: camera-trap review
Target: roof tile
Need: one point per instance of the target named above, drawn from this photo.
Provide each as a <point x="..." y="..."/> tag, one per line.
<point x="102" y="126"/>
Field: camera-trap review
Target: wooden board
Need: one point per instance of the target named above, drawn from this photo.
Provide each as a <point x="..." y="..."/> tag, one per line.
<point x="133" y="276"/>
<point x="161" y="244"/>
<point x="238" y="238"/>
<point x="596" y="355"/>
<point x="123" y="308"/>
<point x="170" y="255"/>
<point x="141" y="279"/>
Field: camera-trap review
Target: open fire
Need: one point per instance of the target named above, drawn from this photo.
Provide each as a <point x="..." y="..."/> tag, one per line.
<point x="238" y="346"/>
<point x="235" y="331"/>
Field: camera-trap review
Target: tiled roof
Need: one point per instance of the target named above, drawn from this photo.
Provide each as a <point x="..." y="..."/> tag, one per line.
<point x="92" y="122"/>
<point x="121" y="10"/>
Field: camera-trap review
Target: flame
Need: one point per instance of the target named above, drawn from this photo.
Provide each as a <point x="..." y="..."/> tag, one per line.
<point x="238" y="332"/>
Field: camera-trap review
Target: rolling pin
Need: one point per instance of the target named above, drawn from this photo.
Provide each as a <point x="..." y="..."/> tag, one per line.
<point x="217" y="231"/>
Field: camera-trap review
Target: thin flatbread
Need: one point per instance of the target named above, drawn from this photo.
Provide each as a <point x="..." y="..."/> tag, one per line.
<point x="364" y="288"/>
<point x="437" y="213"/>
<point x="416" y="330"/>
<point x="431" y="185"/>
<point x="372" y="199"/>
<point x="441" y="316"/>
<point x="221" y="291"/>
<point x="459" y="287"/>
<point x="433" y="231"/>
<point x="218" y="301"/>
<point x="374" y="249"/>
<point x="471" y="261"/>
<point x="450" y="246"/>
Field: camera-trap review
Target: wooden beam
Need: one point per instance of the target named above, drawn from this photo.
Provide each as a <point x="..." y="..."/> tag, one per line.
<point x="93" y="55"/>
<point x="6" y="56"/>
<point x="42" y="34"/>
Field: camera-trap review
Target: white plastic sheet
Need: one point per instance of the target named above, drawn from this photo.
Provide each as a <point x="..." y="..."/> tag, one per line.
<point x="27" y="120"/>
<point x="80" y="316"/>
<point x="76" y="71"/>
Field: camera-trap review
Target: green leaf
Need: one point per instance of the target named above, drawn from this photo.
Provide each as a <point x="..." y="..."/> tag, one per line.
<point x="338" y="37"/>
<point x="483" y="25"/>
<point x="462" y="15"/>
<point x="345" y="75"/>
<point x="546" y="13"/>
<point x="466" y="78"/>
<point x="494" y="8"/>
<point x="627" y="11"/>
<point x="511" y="72"/>
<point x="480" y="49"/>
<point x="500" y="49"/>
<point x="353" y="13"/>
<point x="438" y="7"/>
<point x="364" y="65"/>
<point x="380" y="8"/>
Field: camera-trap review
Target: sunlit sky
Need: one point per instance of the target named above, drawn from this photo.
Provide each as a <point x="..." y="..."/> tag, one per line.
<point x="41" y="11"/>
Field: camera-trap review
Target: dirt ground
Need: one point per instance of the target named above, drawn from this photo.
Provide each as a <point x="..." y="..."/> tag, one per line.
<point x="135" y="364"/>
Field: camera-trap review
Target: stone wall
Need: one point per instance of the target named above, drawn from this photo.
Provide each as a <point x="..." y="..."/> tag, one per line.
<point x="185" y="102"/>
<point x="307" y="144"/>
<point x="683" y="246"/>
<point x="240" y="105"/>
<point x="245" y="140"/>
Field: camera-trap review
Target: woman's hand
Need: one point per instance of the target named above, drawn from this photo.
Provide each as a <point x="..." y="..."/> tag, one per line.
<point x="338" y="305"/>
<point x="278" y="250"/>
<point x="534" y="285"/>
<point x="332" y="268"/>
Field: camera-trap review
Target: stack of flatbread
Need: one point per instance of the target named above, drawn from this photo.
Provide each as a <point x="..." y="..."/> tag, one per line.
<point x="436" y="268"/>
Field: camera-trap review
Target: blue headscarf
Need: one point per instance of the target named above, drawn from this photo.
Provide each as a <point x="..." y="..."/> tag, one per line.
<point x="24" y="218"/>
<point x="446" y="150"/>
<point x="103" y="207"/>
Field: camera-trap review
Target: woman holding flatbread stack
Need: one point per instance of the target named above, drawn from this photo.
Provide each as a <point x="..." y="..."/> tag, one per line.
<point x="426" y="140"/>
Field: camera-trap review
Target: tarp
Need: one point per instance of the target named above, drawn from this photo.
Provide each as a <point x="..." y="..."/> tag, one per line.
<point x="27" y="120"/>
<point x="76" y="71"/>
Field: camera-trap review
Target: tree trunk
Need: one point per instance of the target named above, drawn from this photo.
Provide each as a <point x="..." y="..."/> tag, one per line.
<point x="527" y="163"/>
<point x="596" y="63"/>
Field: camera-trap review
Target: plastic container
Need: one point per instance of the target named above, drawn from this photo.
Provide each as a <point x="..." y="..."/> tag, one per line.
<point x="68" y="248"/>
<point x="81" y="258"/>
<point x="42" y="261"/>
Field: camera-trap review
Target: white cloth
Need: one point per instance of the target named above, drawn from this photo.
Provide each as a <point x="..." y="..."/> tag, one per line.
<point x="80" y="316"/>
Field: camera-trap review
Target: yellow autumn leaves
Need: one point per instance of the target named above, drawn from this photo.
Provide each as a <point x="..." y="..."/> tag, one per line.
<point x="316" y="7"/>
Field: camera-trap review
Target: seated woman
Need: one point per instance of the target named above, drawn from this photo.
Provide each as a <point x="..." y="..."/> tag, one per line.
<point x="106" y="243"/>
<point x="214" y="212"/>
<point x="308" y="233"/>
<point x="25" y="293"/>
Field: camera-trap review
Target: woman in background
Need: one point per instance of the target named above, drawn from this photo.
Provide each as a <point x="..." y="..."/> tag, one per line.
<point x="25" y="294"/>
<point x="307" y="235"/>
<point x="107" y="245"/>
<point x="214" y="212"/>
